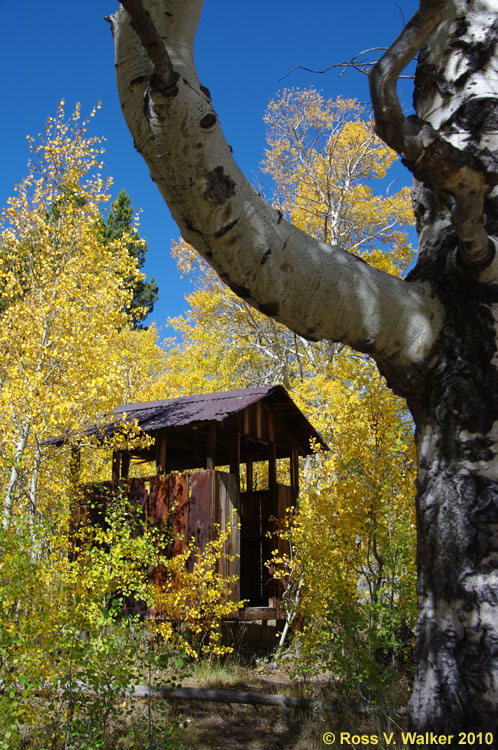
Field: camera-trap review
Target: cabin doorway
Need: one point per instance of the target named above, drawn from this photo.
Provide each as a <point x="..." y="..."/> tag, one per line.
<point x="256" y="545"/>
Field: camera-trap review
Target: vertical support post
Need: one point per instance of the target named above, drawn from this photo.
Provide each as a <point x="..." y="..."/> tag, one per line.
<point x="211" y="447"/>
<point x="235" y="455"/>
<point x="116" y="465"/>
<point x="272" y="468"/>
<point x="272" y="490"/>
<point x="294" y="470"/>
<point x="249" y="476"/>
<point x="125" y="464"/>
<point x="161" y="453"/>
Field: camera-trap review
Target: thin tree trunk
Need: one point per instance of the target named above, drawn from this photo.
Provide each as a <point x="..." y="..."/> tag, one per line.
<point x="33" y="487"/>
<point x="8" y="502"/>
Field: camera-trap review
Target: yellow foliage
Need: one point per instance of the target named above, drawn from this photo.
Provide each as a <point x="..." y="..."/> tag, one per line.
<point x="324" y="157"/>
<point x="352" y="568"/>
<point x="68" y="355"/>
<point x="63" y="297"/>
<point x="197" y="596"/>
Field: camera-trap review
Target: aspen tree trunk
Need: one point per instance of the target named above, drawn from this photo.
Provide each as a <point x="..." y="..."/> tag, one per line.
<point x="433" y="335"/>
<point x="8" y="500"/>
<point x="456" y="685"/>
<point x="456" y="406"/>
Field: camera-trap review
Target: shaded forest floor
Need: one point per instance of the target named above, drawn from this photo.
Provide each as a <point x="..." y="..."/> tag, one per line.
<point x="245" y="727"/>
<point x="186" y="724"/>
<point x="212" y="726"/>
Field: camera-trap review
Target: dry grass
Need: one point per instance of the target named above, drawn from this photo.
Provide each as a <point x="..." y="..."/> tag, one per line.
<point x="244" y="727"/>
<point x="208" y="726"/>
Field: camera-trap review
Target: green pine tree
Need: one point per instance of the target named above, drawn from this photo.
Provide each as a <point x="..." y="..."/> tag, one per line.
<point x="120" y="221"/>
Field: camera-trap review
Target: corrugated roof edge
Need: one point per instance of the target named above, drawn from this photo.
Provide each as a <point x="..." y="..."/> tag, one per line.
<point x="244" y="394"/>
<point x="247" y="397"/>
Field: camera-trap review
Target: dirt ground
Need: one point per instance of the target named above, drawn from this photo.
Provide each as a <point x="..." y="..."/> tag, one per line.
<point x="242" y="728"/>
<point x="216" y="726"/>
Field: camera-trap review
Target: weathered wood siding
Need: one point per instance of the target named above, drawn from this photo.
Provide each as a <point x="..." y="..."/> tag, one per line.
<point x="195" y="505"/>
<point x="182" y="506"/>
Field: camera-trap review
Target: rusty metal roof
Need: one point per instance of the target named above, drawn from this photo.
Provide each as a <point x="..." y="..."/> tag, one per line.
<point x="203" y="409"/>
<point x="206" y="407"/>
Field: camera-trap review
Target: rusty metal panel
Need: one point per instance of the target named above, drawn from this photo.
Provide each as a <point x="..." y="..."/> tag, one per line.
<point x="158" y="518"/>
<point x="94" y="502"/>
<point x="178" y="489"/>
<point x="157" y="510"/>
<point x="136" y="491"/>
<point x="168" y="506"/>
<point x="201" y="503"/>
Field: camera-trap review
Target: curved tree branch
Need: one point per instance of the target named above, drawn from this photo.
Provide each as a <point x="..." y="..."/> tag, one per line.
<point x="318" y="290"/>
<point x="442" y="167"/>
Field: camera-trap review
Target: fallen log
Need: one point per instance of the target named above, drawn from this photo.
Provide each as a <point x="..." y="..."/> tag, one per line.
<point x="231" y="696"/>
<point x="285" y="702"/>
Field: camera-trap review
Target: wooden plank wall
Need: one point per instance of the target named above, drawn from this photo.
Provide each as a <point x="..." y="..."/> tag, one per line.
<point x="190" y="505"/>
<point x="201" y="507"/>
<point x="228" y="517"/>
<point x="181" y="506"/>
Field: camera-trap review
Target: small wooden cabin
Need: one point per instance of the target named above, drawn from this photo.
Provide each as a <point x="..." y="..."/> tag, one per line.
<point x="208" y="451"/>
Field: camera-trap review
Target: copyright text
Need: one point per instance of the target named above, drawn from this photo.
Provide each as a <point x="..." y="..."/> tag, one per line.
<point x="408" y="738"/>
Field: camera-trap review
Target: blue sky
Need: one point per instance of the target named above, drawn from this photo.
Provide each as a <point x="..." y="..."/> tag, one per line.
<point x="63" y="49"/>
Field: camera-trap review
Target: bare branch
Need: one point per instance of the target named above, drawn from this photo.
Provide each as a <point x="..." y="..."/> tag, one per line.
<point x="401" y="11"/>
<point x="362" y="66"/>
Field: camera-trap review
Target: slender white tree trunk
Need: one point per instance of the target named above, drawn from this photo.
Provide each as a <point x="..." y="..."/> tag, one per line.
<point x="20" y="447"/>
<point x="33" y="485"/>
